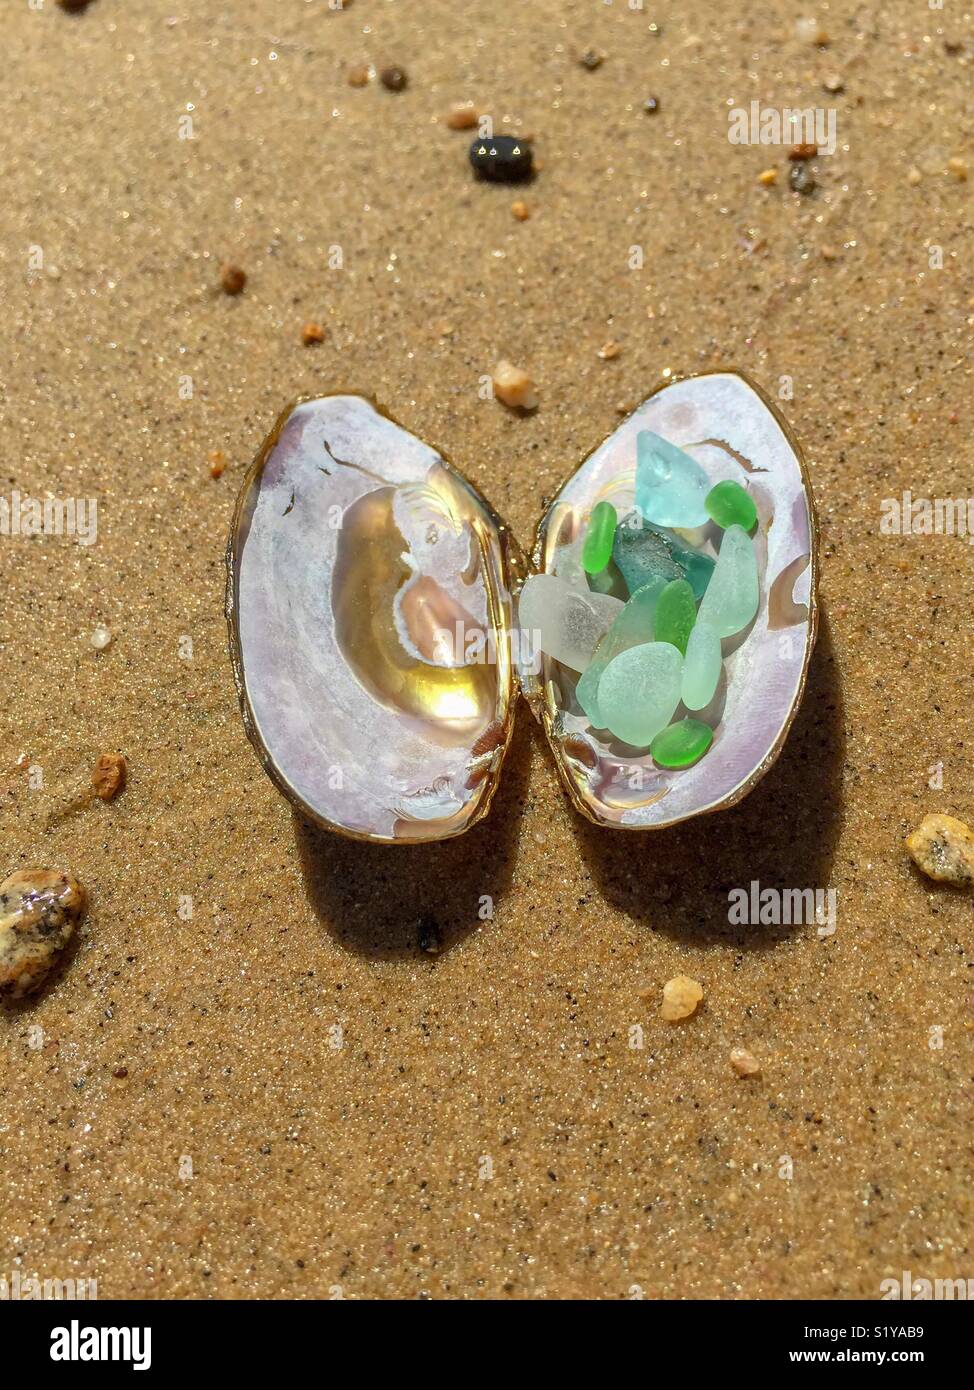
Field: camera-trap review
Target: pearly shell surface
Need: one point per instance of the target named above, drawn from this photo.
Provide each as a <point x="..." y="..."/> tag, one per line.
<point x="728" y="427"/>
<point x="369" y="604"/>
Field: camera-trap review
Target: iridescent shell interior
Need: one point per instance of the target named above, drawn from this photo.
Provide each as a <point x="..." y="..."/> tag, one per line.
<point x="724" y="424"/>
<point x="369" y="601"/>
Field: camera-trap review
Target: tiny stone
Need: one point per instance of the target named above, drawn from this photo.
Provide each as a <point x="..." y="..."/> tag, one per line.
<point x="73" y="6"/>
<point x="681" y="995"/>
<point x="120" y="1073"/>
<point x="101" y="637"/>
<point x="429" y="937"/>
<point x="514" y="387"/>
<point x="108" y="777"/>
<point x="958" y="168"/>
<point x="800" y="179"/>
<point x="943" y="848"/>
<point x="833" y="83"/>
<point x="914" y="177"/>
<point x="521" y="211"/>
<point x="462" y="115"/>
<point x="502" y="159"/>
<point x="803" y="152"/>
<point x="768" y="177"/>
<point x="358" y="76"/>
<point x="39" y="910"/>
<point x="744" y="1063"/>
<point x="218" y="462"/>
<point x="232" y="279"/>
<point x="312" y="333"/>
<point x="810" y="31"/>
<point x="592" y="59"/>
<point x="651" y="106"/>
<point x="394" y="79"/>
<point x="610" y="351"/>
<point x="829" y="253"/>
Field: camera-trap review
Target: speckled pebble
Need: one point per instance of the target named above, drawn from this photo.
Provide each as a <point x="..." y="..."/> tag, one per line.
<point x="943" y="848"/>
<point x="39" y="910"/>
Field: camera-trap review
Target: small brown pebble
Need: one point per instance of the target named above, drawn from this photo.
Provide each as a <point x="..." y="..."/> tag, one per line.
<point x="681" y="995"/>
<point x="120" y="1073"/>
<point x="744" y="1063"/>
<point x="768" y="177"/>
<point x="39" y="910"/>
<point x="232" y="279"/>
<point x="592" y="59"/>
<point x="218" y="462"/>
<point x="610" y="350"/>
<point x="312" y="333"/>
<point x="108" y="777"/>
<point x="829" y="253"/>
<point x="73" y="6"/>
<point x="833" y="83"/>
<point x="958" y="168"/>
<point x="394" y="79"/>
<point x="514" y="387"/>
<point x="803" y="152"/>
<point x="521" y="211"/>
<point x="914" y="177"/>
<point x="462" y="115"/>
<point x="943" y="848"/>
<point x="358" y="76"/>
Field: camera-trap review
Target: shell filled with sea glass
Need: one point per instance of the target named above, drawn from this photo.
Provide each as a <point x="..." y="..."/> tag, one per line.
<point x="370" y="613"/>
<point x="723" y="430"/>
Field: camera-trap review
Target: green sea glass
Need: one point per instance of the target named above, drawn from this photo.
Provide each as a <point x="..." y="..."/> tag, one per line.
<point x="731" y="600"/>
<point x="676" y="613"/>
<point x="632" y="627"/>
<point x="682" y="743"/>
<point x="639" y="692"/>
<point x="646" y="553"/>
<point x="670" y="487"/>
<point x="597" y="550"/>
<point x="729" y="505"/>
<point x="701" y="667"/>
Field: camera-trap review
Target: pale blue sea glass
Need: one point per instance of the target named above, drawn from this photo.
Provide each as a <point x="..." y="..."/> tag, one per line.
<point x="670" y="487"/>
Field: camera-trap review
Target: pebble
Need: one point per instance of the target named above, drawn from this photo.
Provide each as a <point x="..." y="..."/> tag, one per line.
<point x="218" y="462"/>
<point x="943" y="847"/>
<point x="502" y="159"/>
<point x="514" y="387"/>
<point x="833" y="83"/>
<point x="39" y="910"/>
<point x="768" y="177"/>
<point x="101" y="637"/>
<point x="803" y="152"/>
<point x="592" y="59"/>
<point x="744" y="1063"/>
<point x="801" y="179"/>
<point x="394" y="79"/>
<point x="681" y="995"/>
<point x="429" y="936"/>
<point x="232" y="279"/>
<point x="810" y="31"/>
<point x="462" y="115"/>
<point x="958" y="168"/>
<point x="73" y="6"/>
<point x="914" y="177"/>
<point x="521" y="211"/>
<point x="610" y="351"/>
<point x="312" y="333"/>
<point x="651" y="106"/>
<point x="358" y="76"/>
<point x="108" y="776"/>
<point x="681" y="744"/>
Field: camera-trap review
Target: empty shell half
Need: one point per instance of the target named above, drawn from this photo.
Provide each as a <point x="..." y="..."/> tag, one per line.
<point x="656" y="709"/>
<point x="370" y="613"/>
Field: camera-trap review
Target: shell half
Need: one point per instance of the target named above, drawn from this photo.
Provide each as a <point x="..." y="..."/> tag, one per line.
<point x="370" y="614"/>
<point x="733" y="432"/>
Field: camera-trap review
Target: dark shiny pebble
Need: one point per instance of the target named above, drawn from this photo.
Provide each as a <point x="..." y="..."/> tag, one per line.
<point x="503" y="159"/>
<point x="393" y="79"/>
<point x="801" y="179"/>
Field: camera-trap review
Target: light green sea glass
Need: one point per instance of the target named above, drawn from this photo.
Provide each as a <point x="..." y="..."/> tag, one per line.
<point x="633" y="627"/>
<point x="731" y="600"/>
<point x="597" y="550"/>
<point x="682" y="743"/>
<point x="646" y="553"/>
<point x="701" y="667"/>
<point x="676" y="613"/>
<point x="729" y="505"/>
<point x="670" y="487"/>
<point x="639" y="692"/>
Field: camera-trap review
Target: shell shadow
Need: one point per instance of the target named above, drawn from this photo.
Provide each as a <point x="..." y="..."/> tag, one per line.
<point x="783" y="834"/>
<point x="401" y="902"/>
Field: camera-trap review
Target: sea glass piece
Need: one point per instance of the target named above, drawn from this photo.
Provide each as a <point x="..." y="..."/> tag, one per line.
<point x="639" y="692"/>
<point x="646" y="553"/>
<point x="731" y="600"/>
<point x="701" y="667"/>
<point x="681" y="744"/>
<point x="632" y="628"/>
<point x="671" y="488"/>
<point x="597" y="550"/>
<point x="676" y="613"/>
<point x="564" y="623"/>
<point x="729" y="505"/>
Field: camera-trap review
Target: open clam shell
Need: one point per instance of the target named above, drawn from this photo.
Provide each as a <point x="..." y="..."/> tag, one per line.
<point x="370" y="614"/>
<point x="733" y="432"/>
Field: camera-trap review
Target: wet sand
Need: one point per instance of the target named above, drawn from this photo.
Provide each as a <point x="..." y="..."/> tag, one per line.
<point x="311" y="1103"/>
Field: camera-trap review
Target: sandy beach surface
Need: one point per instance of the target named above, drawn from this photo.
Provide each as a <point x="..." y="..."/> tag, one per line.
<point x="249" y="1080"/>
